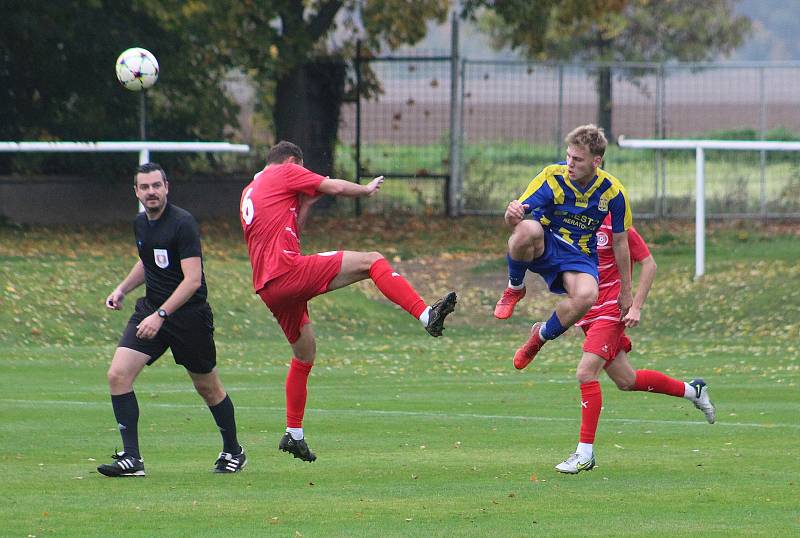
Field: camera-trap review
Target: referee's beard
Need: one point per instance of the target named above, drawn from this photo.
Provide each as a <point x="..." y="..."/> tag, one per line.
<point x="154" y="208"/>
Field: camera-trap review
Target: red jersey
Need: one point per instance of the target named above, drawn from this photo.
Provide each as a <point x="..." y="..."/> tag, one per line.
<point x="269" y="207"/>
<point x="609" y="278"/>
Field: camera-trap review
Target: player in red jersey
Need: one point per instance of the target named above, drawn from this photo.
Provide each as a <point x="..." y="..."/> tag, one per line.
<point x="274" y="208"/>
<point x="607" y="346"/>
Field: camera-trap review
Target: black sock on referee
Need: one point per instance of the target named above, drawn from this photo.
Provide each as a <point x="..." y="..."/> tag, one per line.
<point x="126" y="411"/>
<point x="226" y="422"/>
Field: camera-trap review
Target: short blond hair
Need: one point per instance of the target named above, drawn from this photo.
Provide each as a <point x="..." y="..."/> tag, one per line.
<point x="590" y="136"/>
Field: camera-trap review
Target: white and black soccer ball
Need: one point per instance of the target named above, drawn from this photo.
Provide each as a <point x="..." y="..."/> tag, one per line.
<point x="137" y="69"/>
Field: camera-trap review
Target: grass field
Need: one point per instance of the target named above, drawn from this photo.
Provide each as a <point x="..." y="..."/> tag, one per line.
<point x="415" y="436"/>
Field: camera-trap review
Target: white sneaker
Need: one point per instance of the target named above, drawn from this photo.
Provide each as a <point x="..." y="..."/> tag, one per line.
<point x="573" y="465"/>
<point x="702" y="401"/>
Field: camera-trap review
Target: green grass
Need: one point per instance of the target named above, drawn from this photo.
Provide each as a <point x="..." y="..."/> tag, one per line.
<point x="415" y="436"/>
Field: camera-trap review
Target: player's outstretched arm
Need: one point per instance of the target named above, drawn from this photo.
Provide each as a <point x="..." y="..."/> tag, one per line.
<point x="646" y="277"/>
<point x="134" y="279"/>
<point x="340" y="187"/>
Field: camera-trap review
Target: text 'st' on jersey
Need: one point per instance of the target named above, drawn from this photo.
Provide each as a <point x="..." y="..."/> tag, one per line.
<point x="162" y="244"/>
<point x="572" y="213"/>
<point x="269" y="207"/>
<point x="606" y="305"/>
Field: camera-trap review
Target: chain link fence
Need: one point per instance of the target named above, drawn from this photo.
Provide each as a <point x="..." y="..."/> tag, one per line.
<point x="401" y="130"/>
<point x="510" y="118"/>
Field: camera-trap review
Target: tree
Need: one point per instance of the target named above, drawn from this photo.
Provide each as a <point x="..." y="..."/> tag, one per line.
<point x="57" y="81"/>
<point x="310" y="48"/>
<point x="605" y="31"/>
<point x="297" y="53"/>
<point x="56" y="58"/>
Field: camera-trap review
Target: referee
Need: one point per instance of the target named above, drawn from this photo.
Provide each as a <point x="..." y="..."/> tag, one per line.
<point x="173" y="314"/>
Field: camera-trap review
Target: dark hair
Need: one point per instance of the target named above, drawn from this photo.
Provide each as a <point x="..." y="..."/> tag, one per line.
<point x="282" y="151"/>
<point x="146" y="168"/>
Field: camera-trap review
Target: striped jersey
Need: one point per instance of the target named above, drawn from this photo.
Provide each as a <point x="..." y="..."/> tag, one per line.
<point x="573" y="213"/>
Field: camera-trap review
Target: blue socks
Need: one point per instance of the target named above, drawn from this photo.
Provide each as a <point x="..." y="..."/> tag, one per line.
<point x="552" y="328"/>
<point x="516" y="271"/>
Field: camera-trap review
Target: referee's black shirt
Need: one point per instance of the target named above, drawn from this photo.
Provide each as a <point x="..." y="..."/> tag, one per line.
<point x="162" y="244"/>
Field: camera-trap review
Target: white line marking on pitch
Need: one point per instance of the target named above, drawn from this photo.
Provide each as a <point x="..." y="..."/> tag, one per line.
<point x="425" y="414"/>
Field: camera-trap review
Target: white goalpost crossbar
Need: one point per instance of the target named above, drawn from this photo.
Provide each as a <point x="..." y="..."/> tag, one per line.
<point x="143" y="147"/>
<point x="699" y="146"/>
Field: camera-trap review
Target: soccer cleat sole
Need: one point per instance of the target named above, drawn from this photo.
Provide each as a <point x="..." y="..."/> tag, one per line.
<point x="588" y="466"/>
<point x="115" y="474"/>
<point x="226" y="471"/>
<point x="710" y="414"/>
<point x="439" y="311"/>
<point x="309" y="459"/>
<point x="301" y="458"/>
<point x="287" y="445"/>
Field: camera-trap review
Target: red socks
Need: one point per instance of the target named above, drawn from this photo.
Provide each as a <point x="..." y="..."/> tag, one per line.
<point x="592" y="398"/>
<point x="591" y="405"/>
<point x="296" y="392"/>
<point x="396" y="288"/>
<point x="653" y="381"/>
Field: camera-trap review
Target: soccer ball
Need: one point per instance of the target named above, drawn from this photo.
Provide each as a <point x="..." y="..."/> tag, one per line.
<point x="137" y="69"/>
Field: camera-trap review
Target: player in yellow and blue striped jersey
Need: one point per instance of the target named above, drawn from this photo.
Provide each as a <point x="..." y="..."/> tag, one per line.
<point x="568" y="202"/>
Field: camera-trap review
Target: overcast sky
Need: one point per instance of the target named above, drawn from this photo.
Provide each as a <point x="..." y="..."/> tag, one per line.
<point x="774" y="37"/>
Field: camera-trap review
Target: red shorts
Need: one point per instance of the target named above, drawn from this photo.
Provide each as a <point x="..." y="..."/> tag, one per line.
<point x="287" y="296"/>
<point x="606" y="338"/>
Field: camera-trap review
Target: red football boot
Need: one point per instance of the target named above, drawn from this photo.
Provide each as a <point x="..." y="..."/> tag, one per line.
<point x="528" y="351"/>
<point x="505" y="306"/>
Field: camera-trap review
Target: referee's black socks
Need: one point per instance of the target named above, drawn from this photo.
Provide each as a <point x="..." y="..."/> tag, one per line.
<point x="226" y="422"/>
<point x="126" y="411"/>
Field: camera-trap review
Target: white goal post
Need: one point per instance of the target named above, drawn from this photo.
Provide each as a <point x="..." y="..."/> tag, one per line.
<point x="143" y="148"/>
<point x="699" y="146"/>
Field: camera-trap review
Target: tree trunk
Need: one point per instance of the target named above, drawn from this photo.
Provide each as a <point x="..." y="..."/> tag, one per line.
<point x="308" y="100"/>
<point x="605" y="105"/>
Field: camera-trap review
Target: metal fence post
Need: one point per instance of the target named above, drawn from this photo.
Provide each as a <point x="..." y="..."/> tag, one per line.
<point x="358" y="124"/>
<point x="560" y="116"/>
<point x="662" y="206"/>
<point x="461" y="135"/>
<point x="762" y="132"/>
<point x="452" y="184"/>
<point x="659" y="155"/>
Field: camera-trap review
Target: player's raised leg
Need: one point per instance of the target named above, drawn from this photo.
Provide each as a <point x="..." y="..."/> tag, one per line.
<point x="581" y="294"/>
<point x="357" y="266"/>
<point x="125" y="367"/>
<point x="628" y="379"/>
<point x="591" y="405"/>
<point x="525" y="244"/>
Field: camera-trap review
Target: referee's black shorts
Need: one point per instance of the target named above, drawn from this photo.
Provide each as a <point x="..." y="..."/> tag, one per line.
<point x="188" y="332"/>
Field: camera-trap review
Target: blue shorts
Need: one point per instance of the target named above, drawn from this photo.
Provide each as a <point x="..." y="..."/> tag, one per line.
<point x="559" y="257"/>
